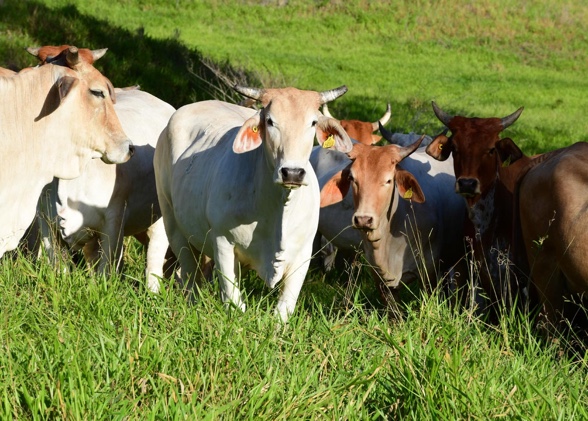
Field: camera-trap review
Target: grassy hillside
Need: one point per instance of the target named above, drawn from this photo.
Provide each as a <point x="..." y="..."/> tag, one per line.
<point x="79" y="346"/>
<point x="482" y="58"/>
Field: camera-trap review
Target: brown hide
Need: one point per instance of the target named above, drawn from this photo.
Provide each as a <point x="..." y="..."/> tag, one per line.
<point x="362" y="131"/>
<point x="487" y="170"/>
<point x="554" y="222"/>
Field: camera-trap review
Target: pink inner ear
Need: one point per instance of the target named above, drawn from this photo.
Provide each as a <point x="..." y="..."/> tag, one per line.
<point x="247" y="139"/>
<point x="334" y="190"/>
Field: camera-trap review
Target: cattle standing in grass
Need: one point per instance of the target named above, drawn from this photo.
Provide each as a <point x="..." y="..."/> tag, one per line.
<point x="554" y="220"/>
<point x="362" y="131"/>
<point x="405" y="237"/>
<point x="236" y="185"/>
<point x="75" y="102"/>
<point x="106" y="203"/>
<point x="487" y="170"/>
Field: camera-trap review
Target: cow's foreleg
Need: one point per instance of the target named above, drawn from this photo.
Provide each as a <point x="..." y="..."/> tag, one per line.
<point x="227" y="267"/>
<point x="292" y="284"/>
<point x="156" y="250"/>
<point x="111" y="243"/>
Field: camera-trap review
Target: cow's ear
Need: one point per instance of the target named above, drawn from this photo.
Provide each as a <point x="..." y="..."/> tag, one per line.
<point x="65" y="84"/>
<point x="336" y="188"/>
<point x="329" y="133"/>
<point x="249" y="136"/>
<point x="508" y="151"/>
<point x="440" y="148"/>
<point x="408" y="187"/>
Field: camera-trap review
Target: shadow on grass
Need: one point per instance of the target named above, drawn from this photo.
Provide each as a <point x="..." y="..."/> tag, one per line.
<point x="166" y="68"/>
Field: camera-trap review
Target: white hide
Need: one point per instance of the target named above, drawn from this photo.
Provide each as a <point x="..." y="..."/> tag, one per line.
<point x="106" y="203"/>
<point x="43" y="136"/>
<point x="229" y="205"/>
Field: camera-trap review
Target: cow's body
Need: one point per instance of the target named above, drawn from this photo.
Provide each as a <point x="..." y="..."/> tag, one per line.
<point x="106" y="203"/>
<point x="224" y="195"/>
<point x="74" y="103"/>
<point x="554" y="221"/>
<point x="487" y="171"/>
<point x="403" y="240"/>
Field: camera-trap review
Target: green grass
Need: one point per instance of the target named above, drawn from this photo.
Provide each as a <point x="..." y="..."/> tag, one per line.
<point x="76" y="345"/>
<point x="80" y="346"/>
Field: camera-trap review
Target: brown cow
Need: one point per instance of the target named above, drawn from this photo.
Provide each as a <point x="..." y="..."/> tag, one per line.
<point x="362" y="131"/>
<point x="554" y="222"/>
<point x="487" y="169"/>
<point x="56" y="55"/>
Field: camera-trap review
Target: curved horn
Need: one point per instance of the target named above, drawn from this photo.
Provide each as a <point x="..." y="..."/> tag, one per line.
<point x="386" y="134"/>
<point x="332" y="94"/>
<point x="407" y="150"/>
<point x="96" y="54"/>
<point x="72" y="57"/>
<point x="253" y="93"/>
<point x="34" y="51"/>
<point x="326" y="112"/>
<point x="441" y="115"/>
<point x="508" y="120"/>
<point x="384" y="119"/>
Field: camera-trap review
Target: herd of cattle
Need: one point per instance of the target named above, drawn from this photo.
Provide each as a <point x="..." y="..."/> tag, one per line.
<point x="219" y="186"/>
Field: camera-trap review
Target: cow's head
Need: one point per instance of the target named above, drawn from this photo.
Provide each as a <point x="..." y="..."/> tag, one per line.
<point x="362" y="131"/>
<point x="286" y="125"/>
<point x="478" y="151"/>
<point x="58" y="55"/>
<point x="374" y="175"/>
<point x="89" y="96"/>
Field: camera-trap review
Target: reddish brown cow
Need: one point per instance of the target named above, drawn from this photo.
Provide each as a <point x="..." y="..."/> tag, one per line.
<point x="362" y="131"/>
<point x="487" y="169"/>
<point x="554" y="221"/>
<point x="53" y="54"/>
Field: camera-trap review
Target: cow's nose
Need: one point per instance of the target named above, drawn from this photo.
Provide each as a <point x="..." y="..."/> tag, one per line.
<point x="364" y="222"/>
<point x="292" y="175"/>
<point x="467" y="186"/>
<point x="131" y="149"/>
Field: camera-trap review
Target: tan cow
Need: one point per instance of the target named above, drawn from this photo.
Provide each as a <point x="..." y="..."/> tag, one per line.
<point x="405" y="238"/>
<point x="75" y="102"/>
<point x="554" y="220"/>
<point x="362" y="131"/>
<point x="108" y="202"/>
<point x="487" y="170"/>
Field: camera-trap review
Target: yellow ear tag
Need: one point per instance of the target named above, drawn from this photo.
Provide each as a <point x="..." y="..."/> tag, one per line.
<point x="408" y="194"/>
<point x="254" y="129"/>
<point x="440" y="146"/>
<point x="506" y="163"/>
<point x="330" y="142"/>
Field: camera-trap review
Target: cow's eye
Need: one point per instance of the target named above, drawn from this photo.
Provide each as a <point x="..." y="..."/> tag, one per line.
<point x="389" y="181"/>
<point x="350" y="177"/>
<point x="313" y="124"/>
<point x="269" y="121"/>
<point x="97" y="93"/>
<point x="491" y="151"/>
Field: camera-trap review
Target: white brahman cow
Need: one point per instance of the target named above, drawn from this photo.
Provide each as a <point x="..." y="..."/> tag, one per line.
<point x="236" y="185"/>
<point x="53" y="121"/>
<point x="106" y="202"/>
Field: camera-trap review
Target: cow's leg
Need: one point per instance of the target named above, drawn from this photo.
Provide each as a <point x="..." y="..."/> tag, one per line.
<point x="227" y="267"/>
<point x="156" y="250"/>
<point x="549" y="285"/>
<point x="111" y="241"/>
<point x="292" y="284"/>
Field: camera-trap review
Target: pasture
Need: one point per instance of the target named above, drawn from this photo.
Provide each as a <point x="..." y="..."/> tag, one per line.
<point x="80" y="346"/>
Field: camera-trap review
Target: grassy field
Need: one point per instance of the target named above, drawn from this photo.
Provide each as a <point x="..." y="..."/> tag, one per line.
<point x="80" y="346"/>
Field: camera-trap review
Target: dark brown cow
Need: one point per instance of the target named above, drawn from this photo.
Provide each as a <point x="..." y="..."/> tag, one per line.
<point x="362" y="131"/>
<point x="554" y="222"/>
<point x="487" y="169"/>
